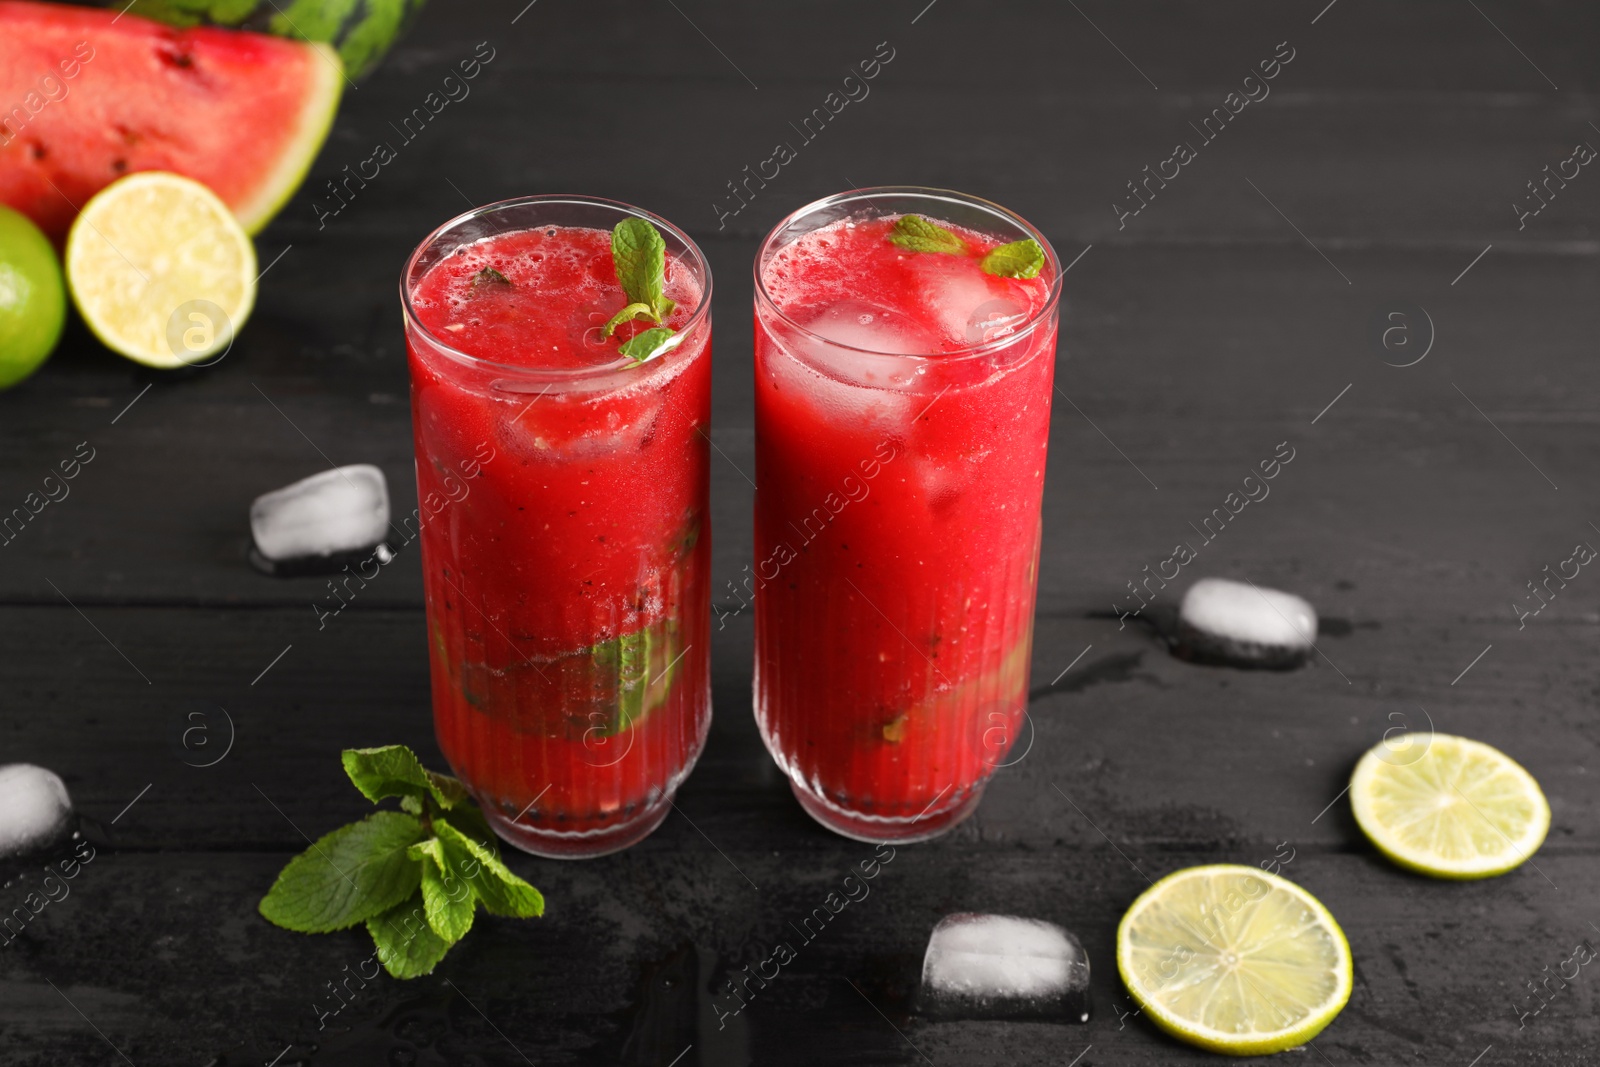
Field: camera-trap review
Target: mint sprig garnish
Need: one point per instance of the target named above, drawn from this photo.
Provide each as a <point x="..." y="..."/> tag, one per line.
<point x="414" y="877"/>
<point x="640" y="255"/>
<point x="627" y="314"/>
<point x="1019" y="259"/>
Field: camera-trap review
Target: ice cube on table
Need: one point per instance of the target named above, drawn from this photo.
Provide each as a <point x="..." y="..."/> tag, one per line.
<point x="1004" y="967"/>
<point x="333" y="513"/>
<point x="1237" y="623"/>
<point x="34" y="809"/>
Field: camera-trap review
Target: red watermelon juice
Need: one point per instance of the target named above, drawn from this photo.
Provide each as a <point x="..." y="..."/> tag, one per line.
<point x="563" y="492"/>
<point x="902" y="416"/>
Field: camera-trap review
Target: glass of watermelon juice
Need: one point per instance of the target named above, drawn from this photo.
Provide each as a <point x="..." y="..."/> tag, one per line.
<point x="902" y="417"/>
<point x="563" y="491"/>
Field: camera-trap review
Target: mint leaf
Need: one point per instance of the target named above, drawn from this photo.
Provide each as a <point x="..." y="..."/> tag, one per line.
<point x="349" y="875"/>
<point x="395" y="771"/>
<point x="640" y="256"/>
<point x="470" y="821"/>
<point x="1019" y="259"/>
<point x="407" y="945"/>
<point x="627" y="314"/>
<point x="646" y="663"/>
<point x="489" y="276"/>
<point x="916" y="234"/>
<point x="446" y="897"/>
<point x="447" y="791"/>
<point x="502" y="892"/>
<point x="647" y="343"/>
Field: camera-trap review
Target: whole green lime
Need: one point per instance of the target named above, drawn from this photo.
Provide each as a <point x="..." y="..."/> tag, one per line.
<point x="33" y="298"/>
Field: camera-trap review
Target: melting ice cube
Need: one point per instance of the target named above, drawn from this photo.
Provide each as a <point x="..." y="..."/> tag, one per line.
<point x="858" y="324"/>
<point x="853" y="386"/>
<point x="1004" y="967"/>
<point x="996" y="319"/>
<point x="1222" y="621"/>
<point x="546" y="431"/>
<point x="34" y="808"/>
<point x="344" y="510"/>
<point x="958" y="294"/>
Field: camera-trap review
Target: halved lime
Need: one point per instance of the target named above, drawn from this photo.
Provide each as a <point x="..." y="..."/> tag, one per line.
<point x="161" y="270"/>
<point x="1234" y="959"/>
<point x="33" y="299"/>
<point x="1451" y="808"/>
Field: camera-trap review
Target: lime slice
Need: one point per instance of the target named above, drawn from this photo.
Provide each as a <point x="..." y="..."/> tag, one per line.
<point x="33" y="300"/>
<point x="1234" y="959"/>
<point x="1449" y="807"/>
<point x="161" y="270"/>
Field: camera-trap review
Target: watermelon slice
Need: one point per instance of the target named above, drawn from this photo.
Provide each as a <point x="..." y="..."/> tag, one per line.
<point x="90" y="95"/>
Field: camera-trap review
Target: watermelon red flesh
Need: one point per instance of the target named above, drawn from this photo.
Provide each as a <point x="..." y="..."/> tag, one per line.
<point x="90" y="96"/>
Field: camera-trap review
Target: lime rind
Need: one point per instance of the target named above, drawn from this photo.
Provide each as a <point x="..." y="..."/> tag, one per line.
<point x="1173" y="952"/>
<point x="33" y="298"/>
<point x="1462" y="810"/>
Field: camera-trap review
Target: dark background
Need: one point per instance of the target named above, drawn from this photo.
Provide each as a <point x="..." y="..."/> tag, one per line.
<point x="1198" y="337"/>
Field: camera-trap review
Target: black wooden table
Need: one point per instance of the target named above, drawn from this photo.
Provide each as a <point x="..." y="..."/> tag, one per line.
<point x="1386" y="172"/>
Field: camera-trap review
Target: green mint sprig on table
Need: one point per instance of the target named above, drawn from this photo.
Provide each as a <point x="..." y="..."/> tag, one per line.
<point x="640" y="255"/>
<point x="415" y="876"/>
<point x="1019" y="259"/>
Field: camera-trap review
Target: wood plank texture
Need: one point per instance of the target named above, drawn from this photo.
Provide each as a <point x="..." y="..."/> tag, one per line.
<point x="1235" y="311"/>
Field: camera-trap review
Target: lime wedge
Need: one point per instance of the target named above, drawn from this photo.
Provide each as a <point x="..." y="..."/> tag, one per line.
<point x="1234" y="959"/>
<point x="161" y="270"/>
<point x="1449" y="807"/>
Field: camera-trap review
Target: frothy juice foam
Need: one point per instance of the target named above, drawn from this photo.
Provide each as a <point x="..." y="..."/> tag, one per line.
<point x="560" y="287"/>
<point x="849" y="283"/>
<point x="564" y="545"/>
<point x="902" y="416"/>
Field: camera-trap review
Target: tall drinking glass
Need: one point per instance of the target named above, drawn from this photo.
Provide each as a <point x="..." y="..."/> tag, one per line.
<point x="563" y="494"/>
<point x="903" y="384"/>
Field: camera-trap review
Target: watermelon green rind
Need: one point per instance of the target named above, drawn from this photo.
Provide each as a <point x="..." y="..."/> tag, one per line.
<point x="322" y="106"/>
<point x="193" y="12"/>
<point x="362" y="31"/>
